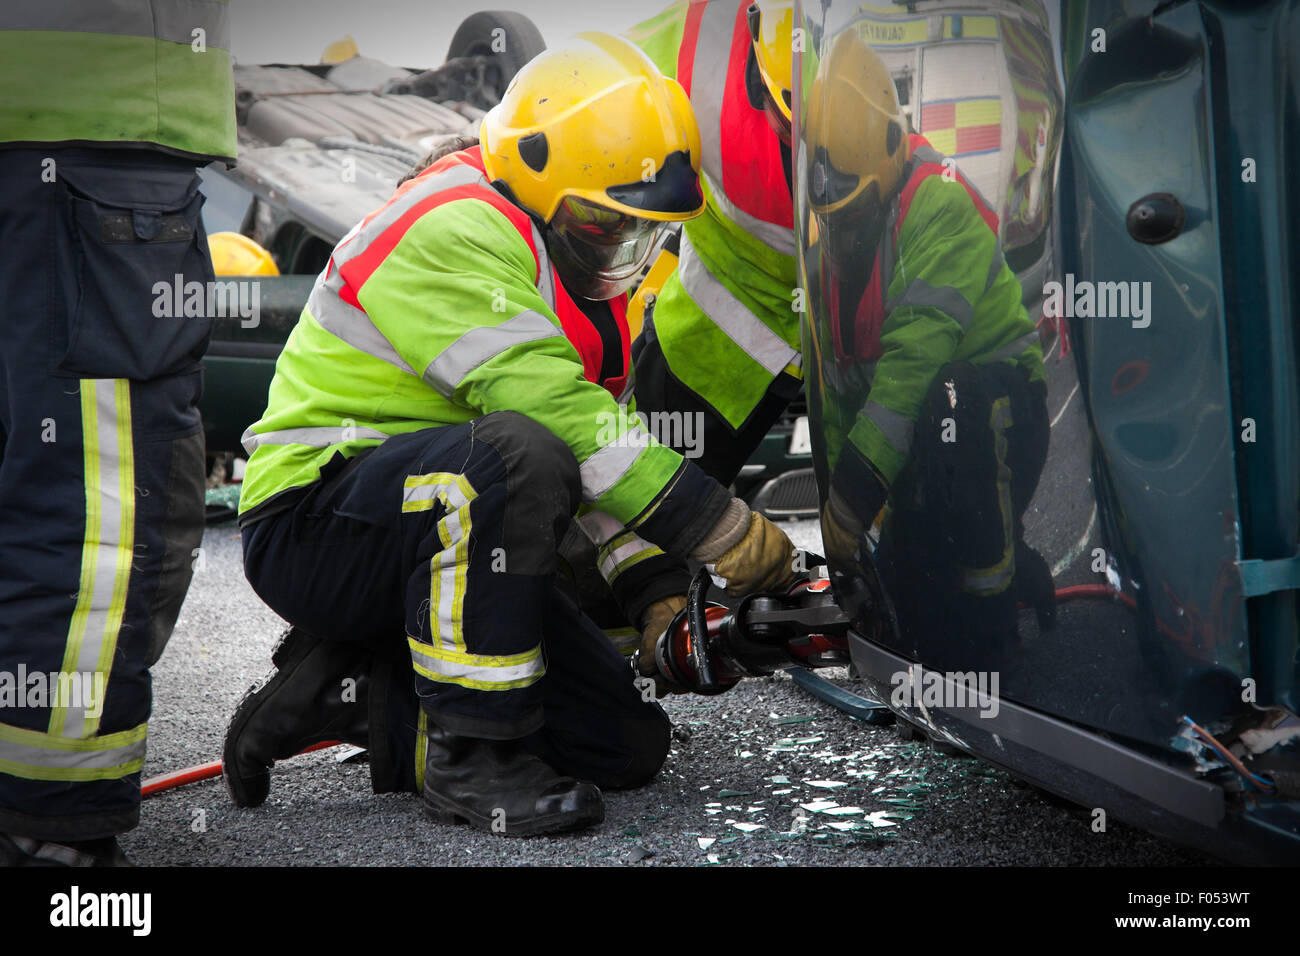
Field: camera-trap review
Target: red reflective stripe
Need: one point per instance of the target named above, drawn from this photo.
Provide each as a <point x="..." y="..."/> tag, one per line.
<point x="690" y="35"/>
<point x="359" y="269"/>
<point x="619" y="308"/>
<point x="753" y="176"/>
<point x="868" y="319"/>
<point x="936" y="169"/>
<point x="578" y="329"/>
<point x="584" y="337"/>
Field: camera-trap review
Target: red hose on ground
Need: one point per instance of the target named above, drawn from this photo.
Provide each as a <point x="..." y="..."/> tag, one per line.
<point x="206" y="771"/>
<point x="203" y="771"/>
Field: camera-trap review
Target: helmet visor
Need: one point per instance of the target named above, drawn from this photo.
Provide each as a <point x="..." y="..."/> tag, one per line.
<point x="603" y="242"/>
<point x="828" y="187"/>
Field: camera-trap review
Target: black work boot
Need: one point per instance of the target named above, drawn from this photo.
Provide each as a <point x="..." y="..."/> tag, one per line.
<point x="498" y="786"/>
<point x="304" y="702"/>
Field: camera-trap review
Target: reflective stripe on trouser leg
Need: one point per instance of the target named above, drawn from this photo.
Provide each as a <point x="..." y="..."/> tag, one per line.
<point x="421" y="748"/>
<point x="476" y="596"/>
<point x="107" y="548"/>
<point x="33" y="755"/>
<point x="996" y="578"/>
<point x="445" y="658"/>
<point x="70" y="750"/>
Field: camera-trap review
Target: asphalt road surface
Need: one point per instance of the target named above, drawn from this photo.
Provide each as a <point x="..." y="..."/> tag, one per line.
<point x="763" y="775"/>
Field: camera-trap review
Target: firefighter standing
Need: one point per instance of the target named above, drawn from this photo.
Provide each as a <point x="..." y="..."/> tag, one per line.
<point x="107" y="109"/>
<point x="723" y="339"/>
<point x="721" y="342"/>
<point x="444" y="406"/>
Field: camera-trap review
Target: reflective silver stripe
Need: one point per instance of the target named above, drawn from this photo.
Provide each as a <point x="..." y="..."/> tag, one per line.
<point x="1014" y="349"/>
<point x="360" y="238"/>
<point x="777" y="238"/>
<point x="928" y="154"/>
<point x="995" y="266"/>
<point x="730" y="315"/>
<point x="108" y="549"/>
<point x="851" y="378"/>
<point x="708" y="84"/>
<point x="921" y="295"/>
<point x="629" y="548"/>
<point x="487" y="671"/>
<point x="545" y="279"/>
<point x="321" y="436"/>
<point x="57" y="853"/>
<point x="479" y="345"/>
<point x="625" y="639"/>
<point x="603" y="469"/>
<point x="887" y="254"/>
<point x="599" y="527"/>
<point x="32" y="749"/>
<point x="896" y="428"/>
<point x="349" y="323"/>
<point x="172" y="20"/>
<point x="353" y="325"/>
<point x="990" y="582"/>
<point x="709" y="81"/>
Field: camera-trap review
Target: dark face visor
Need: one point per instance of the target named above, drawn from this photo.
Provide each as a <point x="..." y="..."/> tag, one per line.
<point x="674" y="188"/>
<point x="598" y="251"/>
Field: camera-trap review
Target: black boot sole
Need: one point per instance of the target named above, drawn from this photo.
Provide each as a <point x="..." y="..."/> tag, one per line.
<point x="438" y="809"/>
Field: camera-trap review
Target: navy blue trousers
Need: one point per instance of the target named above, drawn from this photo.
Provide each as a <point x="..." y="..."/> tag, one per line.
<point x="101" y="472"/>
<point x="439" y="546"/>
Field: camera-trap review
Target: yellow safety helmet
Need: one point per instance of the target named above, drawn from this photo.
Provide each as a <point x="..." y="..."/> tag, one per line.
<point x="340" y="51"/>
<point x="771" y="27"/>
<point x="593" y="140"/>
<point x="855" y="132"/>
<point x="234" y="254"/>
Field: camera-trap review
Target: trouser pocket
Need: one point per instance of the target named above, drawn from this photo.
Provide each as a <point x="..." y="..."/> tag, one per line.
<point x="130" y="272"/>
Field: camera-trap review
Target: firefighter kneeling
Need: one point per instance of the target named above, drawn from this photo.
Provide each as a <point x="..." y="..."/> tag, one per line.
<point x="435" y="423"/>
<point x="923" y="333"/>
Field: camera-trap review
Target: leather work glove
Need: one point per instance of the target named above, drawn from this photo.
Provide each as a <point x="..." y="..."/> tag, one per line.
<point x="654" y="621"/>
<point x="841" y="528"/>
<point x="750" y="552"/>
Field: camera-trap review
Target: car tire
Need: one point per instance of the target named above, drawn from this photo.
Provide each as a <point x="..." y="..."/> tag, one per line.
<point x="518" y="41"/>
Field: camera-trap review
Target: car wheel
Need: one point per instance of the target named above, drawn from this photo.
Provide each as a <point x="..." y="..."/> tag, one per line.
<point x="511" y="39"/>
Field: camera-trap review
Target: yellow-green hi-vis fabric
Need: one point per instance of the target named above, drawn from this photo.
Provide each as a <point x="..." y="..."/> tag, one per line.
<point x="728" y="317"/>
<point x="150" y="73"/>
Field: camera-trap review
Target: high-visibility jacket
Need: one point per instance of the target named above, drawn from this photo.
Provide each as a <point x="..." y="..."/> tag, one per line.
<point x="940" y="291"/>
<point x="727" y="320"/>
<point x="438" y="308"/>
<point x="153" y="73"/>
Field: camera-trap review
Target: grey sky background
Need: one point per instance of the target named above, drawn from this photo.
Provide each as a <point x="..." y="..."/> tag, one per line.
<point x="413" y="33"/>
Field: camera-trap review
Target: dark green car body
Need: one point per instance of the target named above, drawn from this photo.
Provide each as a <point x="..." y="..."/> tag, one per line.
<point x="1169" y="508"/>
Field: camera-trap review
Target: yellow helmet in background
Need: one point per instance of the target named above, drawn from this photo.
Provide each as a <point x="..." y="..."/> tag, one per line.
<point x="234" y="254"/>
<point x="771" y="27"/>
<point x="855" y="132"/>
<point x="593" y="140"/>
<point x="340" y="51"/>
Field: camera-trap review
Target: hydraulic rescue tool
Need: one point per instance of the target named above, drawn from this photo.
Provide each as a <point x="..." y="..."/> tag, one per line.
<point x="709" y="647"/>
